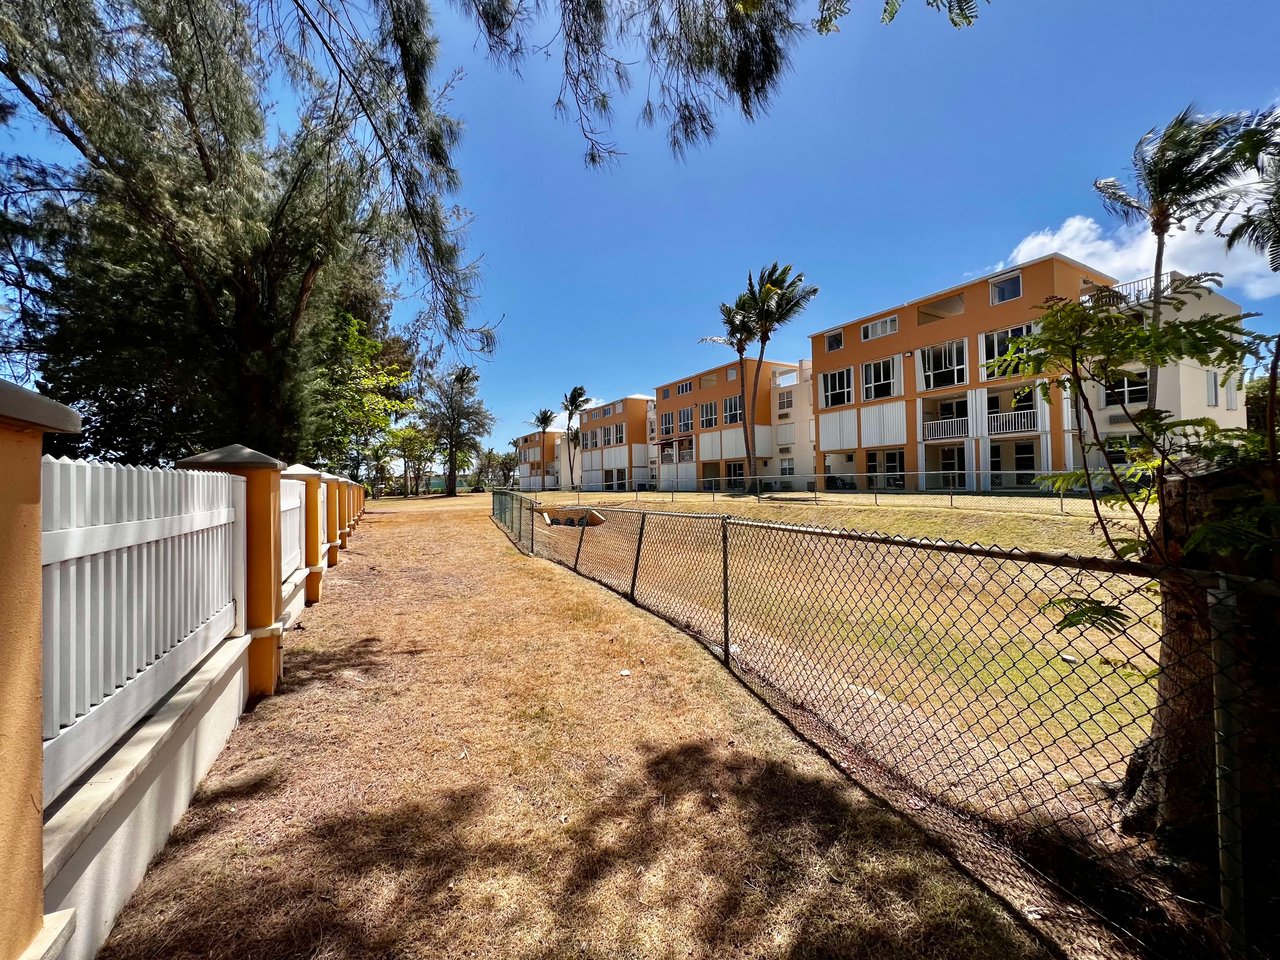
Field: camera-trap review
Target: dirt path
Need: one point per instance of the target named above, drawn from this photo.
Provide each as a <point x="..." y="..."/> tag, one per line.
<point x="456" y="768"/>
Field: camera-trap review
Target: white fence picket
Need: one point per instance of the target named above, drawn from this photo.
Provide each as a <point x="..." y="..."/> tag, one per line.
<point x="143" y="575"/>
<point x="293" y="530"/>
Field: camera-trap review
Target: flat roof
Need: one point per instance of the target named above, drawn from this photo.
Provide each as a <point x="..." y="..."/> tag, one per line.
<point x="960" y="286"/>
<point x="718" y="366"/>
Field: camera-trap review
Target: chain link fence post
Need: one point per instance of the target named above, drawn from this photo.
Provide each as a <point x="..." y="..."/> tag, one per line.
<point x="724" y="590"/>
<point x="635" y="569"/>
<point x="1226" y="730"/>
<point x="582" y="534"/>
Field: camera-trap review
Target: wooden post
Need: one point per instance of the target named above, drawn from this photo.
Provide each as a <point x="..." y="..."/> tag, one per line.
<point x="333" y="494"/>
<point x="25" y="418"/>
<point x="313" y="547"/>
<point x="262" y="556"/>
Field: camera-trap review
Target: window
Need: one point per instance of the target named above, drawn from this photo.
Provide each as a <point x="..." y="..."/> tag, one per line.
<point x="943" y="365"/>
<point x="955" y="409"/>
<point x="731" y="374"/>
<point x="1118" y="447"/>
<point x="683" y="388"/>
<point x="879" y="328"/>
<point x="732" y="410"/>
<point x="835" y="341"/>
<point x="607" y="437"/>
<point x="685" y="450"/>
<point x="837" y="387"/>
<point x="1024" y="462"/>
<point x="734" y="471"/>
<point x="668" y="424"/>
<point x="1233" y="402"/>
<point x="707" y="380"/>
<point x="708" y="415"/>
<point x="684" y="424"/>
<point x="787" y="467"/>
<point x="878" y="380"/>
<point x="595" y="414"/>
<point x="891" y="476"/>
<point x="1130" y="389"/>
<point x="666" y="393"/>
<point x="996" y="345"/>
<point x="1006" y="288"/>
<point x="668" y="453"/>
<point x="618" y="434"/>
<point x="784" y="400"/>
<point x="1211" y="388"/>
<point x="1024" y="400"/>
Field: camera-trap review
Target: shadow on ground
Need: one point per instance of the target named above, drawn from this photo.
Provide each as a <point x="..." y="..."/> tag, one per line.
<point x="701" y="851"/>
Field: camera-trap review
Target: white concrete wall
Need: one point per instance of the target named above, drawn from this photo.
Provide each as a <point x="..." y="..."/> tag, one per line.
<point x="101" y="839"/>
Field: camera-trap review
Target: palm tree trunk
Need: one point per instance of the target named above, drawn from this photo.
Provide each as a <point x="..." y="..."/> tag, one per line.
<point x="742" y="404"/>
<point x="755" y="394"/>
<point x="1153" y="373"/>
<point x="543" y="453"/>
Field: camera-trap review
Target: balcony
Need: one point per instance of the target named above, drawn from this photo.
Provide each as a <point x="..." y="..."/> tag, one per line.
<point x="950" y="429"/>
<point x="1013" y="421"/>
<point x="1127" y="294"/>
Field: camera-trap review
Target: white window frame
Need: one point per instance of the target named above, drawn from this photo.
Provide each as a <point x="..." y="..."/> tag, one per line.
<point x="1212" y="396"/>
<point x="619" y="434"/>
<point x="1233" y="398"/>
<point x="990" y="344"/>
<point x="731" y="373"/>
<point x="785" y="399"/>
<point x="606" y="435"/>
<point x="684" y="420"/>
<point x="994" y="282"/>
<point x="883" y="327"/>
<point x="667" y="423"/>
<point x="1124" y="392"/>
<point x="684" y="450"/>
<point x="684" y="387"/>
<point x="950" y="349"/>
<point x="831" y="393"/>
<point x="834" y="340"/>
<point x="786" y="466"/>
<point x="732" y="410"/>
<point x="708" y="420"/>
<point x="870" y="383"/>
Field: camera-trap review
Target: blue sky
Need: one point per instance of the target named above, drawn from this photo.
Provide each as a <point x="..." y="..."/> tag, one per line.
<point x="896" y="161"/>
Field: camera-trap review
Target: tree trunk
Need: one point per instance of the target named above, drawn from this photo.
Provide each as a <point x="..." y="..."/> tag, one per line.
<point x="755" y="393"/>
<point x="1170" y="786"/>
<point x="746" y="421"/>
<point x="1157" y="294"/>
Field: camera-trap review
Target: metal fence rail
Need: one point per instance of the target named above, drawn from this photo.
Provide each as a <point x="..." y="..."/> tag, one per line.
<point x="951" y="673"/>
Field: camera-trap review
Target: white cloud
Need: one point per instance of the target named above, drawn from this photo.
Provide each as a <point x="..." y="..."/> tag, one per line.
<point x="1128" y="253"/>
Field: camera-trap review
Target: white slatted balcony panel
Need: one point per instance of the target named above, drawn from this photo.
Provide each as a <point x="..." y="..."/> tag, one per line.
<point x="140" y="578"/>
<point x="946" y="429"/>
<point x="1012" y="421"/>
<point x="293" y="527"/>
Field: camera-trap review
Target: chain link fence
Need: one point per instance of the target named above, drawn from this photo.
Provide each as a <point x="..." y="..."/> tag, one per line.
<point x="1045" y="715"/>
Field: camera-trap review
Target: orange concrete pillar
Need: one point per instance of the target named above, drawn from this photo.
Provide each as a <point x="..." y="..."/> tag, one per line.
<point x="311" y="554"/>
<point x="332" y="493"/>
<point x="25" y="418"/>
<point x="262" y="556"/>
<point x="344" y="511"/>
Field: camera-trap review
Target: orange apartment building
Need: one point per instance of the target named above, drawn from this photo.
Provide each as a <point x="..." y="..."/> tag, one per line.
<point x="533" y="451"/>
<point x="903" y="397"/>
<point x="697" y="427"/>
<point x="615" y="444"/>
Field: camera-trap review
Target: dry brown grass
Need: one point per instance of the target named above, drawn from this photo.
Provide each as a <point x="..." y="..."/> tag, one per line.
<point x="456" y="768"/>
<point x="985" y="520"/>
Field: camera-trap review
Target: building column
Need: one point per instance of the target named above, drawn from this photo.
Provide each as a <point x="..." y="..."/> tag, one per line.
<point x="313" y="547"/>
<point x="984" y="463"/>
<point x="25" y="418"/>
<point x="262" y="556"/>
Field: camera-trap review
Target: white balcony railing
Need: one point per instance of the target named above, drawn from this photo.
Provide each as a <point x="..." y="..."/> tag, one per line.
<point x="946" y="429"/>
<point x="1014" y="421"/>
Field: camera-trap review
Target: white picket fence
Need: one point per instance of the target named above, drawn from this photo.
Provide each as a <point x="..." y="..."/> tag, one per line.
<point x="293" y="527"/>
<point x="144" y="573"/>
<point x="324" y="519"/>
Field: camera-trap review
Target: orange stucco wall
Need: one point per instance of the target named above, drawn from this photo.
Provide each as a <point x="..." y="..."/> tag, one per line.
<point x="723" y="387"/>
<point x="630" y="412"/>
<point x="1052" y="276"/>
<point x="21" y="790"/>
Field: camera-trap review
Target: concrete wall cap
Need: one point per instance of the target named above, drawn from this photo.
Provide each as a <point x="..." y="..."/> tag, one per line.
<point x="27" y="406"/>
<point x="301" y="470"/>
<point x="330" y="476"/>
<point x="233" y="455"/>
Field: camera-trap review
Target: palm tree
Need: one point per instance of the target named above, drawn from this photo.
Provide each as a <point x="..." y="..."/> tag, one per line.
<point x="776" y="298"/>
<point x="543" y="420"/>
<point x="739" y="333"/>
<point x="1188" y="169"/>
<point x="575" y="401"/>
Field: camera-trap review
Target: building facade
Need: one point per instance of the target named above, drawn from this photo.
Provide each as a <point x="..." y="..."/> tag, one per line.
<point x="904" y="398"/>
<point x="615" y="444"/>
<point x="539" y="458"/>
<point x="698" y="435"/>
